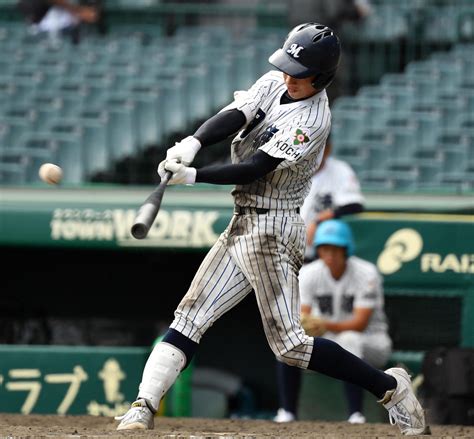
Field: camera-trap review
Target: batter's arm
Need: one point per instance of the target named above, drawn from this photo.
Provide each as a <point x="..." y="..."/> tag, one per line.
<point x="245" y="172"/>
<point x="220" y="126"/>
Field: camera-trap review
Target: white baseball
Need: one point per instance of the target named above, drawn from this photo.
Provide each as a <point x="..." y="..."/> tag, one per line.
<point x="50" y="173"/>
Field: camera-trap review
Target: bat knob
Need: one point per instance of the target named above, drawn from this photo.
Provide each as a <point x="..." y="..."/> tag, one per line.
<point x="139" y="231"/>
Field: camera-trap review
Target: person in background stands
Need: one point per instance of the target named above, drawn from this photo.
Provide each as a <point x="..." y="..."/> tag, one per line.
<point x="335" y="192"/>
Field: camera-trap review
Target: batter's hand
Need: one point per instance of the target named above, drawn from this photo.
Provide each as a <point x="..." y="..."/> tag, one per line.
<point x="181" y="174"/>
<point x="313" y="326"/>
<point x="184" y="151"/>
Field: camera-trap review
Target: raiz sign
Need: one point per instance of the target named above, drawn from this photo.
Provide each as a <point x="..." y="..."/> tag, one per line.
<point x="407" y="245"/>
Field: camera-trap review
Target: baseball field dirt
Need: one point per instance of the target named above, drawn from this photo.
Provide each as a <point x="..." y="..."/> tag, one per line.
<point x="38" y="426"/>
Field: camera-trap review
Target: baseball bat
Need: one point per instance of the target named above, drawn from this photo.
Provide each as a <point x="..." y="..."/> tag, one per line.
<point x="149" y="209"/>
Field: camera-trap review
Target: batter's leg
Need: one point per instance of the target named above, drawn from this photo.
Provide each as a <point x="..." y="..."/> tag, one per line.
<point x="270" y="262"/>
<point x="217" y="286"/>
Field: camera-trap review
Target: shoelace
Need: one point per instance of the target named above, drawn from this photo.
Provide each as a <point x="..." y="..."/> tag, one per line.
<point x="397" y="415"/>
<point x="130" y="414"/>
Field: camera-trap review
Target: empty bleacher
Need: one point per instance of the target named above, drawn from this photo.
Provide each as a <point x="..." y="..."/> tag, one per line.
<point x="88" y="106"/>
<point x="106" y="101"/>
<point x="414" y="130"/>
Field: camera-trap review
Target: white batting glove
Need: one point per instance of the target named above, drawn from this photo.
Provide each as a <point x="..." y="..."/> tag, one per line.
<point x="181" y="173"/>
<point x="184" y="151"/>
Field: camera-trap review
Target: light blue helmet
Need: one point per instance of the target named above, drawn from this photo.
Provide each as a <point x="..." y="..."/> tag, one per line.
<point x="335" y="232"/>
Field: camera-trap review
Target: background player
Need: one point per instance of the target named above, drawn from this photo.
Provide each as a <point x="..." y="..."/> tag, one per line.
<point x="342" y="300"/>
<point x="335" y="192"/>
<point x="282" y="123"/>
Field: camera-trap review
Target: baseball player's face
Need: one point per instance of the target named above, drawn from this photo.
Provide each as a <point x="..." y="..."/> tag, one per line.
<point x="335" y="259"/>
<point x="299" y="88"/>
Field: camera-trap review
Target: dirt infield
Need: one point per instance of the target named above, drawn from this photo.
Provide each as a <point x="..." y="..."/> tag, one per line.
<point x="37" y="426"/>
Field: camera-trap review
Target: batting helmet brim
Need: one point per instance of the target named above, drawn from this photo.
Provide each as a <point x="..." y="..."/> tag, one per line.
<point x="282" y="61"/>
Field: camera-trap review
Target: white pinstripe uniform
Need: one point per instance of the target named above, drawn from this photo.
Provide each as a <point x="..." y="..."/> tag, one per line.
<point x="359" y="287"/>
<point x="335" y="185"/>
<point x="264" y="252"/>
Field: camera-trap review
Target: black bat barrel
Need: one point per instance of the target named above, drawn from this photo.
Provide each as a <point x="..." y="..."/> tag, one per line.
<point x="149" y="209"/>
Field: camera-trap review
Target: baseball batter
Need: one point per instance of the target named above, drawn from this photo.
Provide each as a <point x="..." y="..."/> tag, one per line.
<point x="282" y="123"/>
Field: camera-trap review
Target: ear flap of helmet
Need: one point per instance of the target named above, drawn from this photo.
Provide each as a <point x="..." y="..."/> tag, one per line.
<point x="323" y="80"/>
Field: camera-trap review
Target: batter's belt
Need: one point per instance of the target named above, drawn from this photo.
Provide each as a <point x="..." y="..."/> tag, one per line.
<point x="241" y="210"/>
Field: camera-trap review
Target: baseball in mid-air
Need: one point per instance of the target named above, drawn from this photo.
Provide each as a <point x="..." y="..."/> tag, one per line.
<point x="50" y="173"/>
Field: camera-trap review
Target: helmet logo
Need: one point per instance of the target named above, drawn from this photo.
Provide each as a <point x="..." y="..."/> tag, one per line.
<point x="295" y="50"/>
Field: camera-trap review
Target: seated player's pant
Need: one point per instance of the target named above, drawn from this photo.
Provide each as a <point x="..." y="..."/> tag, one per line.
<point x="262" y="253"/>
<point x="374" y="348"/>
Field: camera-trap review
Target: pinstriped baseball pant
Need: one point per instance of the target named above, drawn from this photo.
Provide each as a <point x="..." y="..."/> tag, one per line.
<point x="262" y="253"/>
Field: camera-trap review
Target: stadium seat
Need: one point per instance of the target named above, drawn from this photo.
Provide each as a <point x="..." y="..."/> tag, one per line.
<point x="375" y="181"/>
<point x="12" y="174"/>
<point x="429" y="172"/>
<point x="441" y="25"/>
<point x="244" y="66"/>
<point x="428" y="124"/>
<point x="150" y="112"/>
<point x="173" y="90"/>
<point x="349" y="117"/>
<point x="403" y="131"/>
<point x="29" y="159"/>
<point x="198" y="100"/>
<point x="454" y="159"/>
<point x="457" y="181"/>
<point x="385" y="23"/>
<point x="401" y="96"/>
<point x="354" y="153"/>
<point x="220" y="78"/>
<point x="378" y="110"/>
<point x="68" y="138"/>
<point x="24" y="89"/>
<point x="467" y="124"/>
<point x="16" y="126"/>
<point x="451" y="105"/>
<point x="349" y="149"/>
<point x="379" y="144"/>
<point x="97" y="155"/>
<point x="122" y="127"/>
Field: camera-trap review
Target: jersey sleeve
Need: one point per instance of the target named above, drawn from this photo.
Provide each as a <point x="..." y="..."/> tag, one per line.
<point x="249" y="101"/>
<point x="371" y="295"/>
<point x="348" y="190"/>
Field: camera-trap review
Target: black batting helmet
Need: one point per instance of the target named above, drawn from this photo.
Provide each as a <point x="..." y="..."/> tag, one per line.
<point x="310" y="49"/>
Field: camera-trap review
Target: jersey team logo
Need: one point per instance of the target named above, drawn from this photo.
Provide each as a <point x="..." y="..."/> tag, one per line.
<point x="300" y="137"/>
<point x="265" y="136"/>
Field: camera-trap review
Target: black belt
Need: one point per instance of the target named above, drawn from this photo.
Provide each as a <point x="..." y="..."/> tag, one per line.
<point x="241" y="210"/>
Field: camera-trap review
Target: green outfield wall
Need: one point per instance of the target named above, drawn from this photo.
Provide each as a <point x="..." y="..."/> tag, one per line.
<point x="69" y="380"/>
<point x="69" y="254"/>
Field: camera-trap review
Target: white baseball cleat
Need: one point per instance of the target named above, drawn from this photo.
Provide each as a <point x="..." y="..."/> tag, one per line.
<point x="402" y="405"/>
<point x="138" y="417"/>
<point x="284" y="416"/>
<point x="356" y="418"/>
